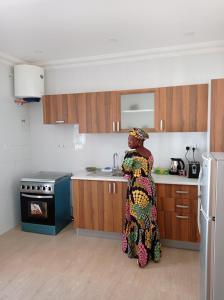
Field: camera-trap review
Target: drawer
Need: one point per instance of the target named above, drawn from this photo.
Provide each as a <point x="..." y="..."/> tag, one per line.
<point x="180" y="227"/>
<point x="177" y="191"/>
<point x="184" y="191"/>
<point x="183" y="205"/>
<point x="179" y="205"/>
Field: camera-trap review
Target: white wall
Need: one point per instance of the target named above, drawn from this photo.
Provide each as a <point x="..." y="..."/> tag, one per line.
<point x="29" y="145"/>
<point x="52" y="147"/>
<point x="15" y="151"/>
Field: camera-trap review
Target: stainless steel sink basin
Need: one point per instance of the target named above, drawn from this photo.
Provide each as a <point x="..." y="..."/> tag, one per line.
<point x="115" y="173"/>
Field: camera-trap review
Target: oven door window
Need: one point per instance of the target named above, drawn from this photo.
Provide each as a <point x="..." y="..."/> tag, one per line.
<point x="38" y="209"/>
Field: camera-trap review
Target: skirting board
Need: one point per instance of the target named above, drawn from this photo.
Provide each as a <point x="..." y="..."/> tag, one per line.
<point x="118" y="236"/>
<point x="181" y="245"/>
<point x="99" y="234"/>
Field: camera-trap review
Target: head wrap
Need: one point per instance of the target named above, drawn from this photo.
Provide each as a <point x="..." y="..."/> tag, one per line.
<point x="139" y="133"/>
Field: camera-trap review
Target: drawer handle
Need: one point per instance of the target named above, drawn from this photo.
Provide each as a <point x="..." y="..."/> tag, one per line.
<point x="113" y="126"/>
<point x="59" y="122"/>
<point x="182" y="206"/>
<point x="182" y="217"/>
<point x="114" y="188"/>
<point x="161" y="125"/>
<point x="182" y="192"/>
<point x="118" y="126"/>
<point x="109" y="188"/>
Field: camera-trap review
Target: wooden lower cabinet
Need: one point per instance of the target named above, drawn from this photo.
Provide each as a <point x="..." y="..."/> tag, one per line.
<point x="177" y="212"/>
<point x="98" y="205"/>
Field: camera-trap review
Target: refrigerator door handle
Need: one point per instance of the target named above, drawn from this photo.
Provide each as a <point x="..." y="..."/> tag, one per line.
<point x="198" y="216"/>
<point x="199" y="183"/>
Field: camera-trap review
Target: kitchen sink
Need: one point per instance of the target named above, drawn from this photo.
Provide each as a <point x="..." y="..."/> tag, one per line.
<point x="118" y="173"/>
<point x="115" y="173"/>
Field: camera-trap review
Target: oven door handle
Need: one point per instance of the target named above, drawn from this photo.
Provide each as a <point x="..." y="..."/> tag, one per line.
<point x="37" y="197"/>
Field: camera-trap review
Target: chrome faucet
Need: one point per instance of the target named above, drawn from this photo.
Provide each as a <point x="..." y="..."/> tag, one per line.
<point x="115" y="161"/>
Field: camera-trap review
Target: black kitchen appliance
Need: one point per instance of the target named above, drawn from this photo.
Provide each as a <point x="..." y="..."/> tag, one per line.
<point x="177" y="166"/>
<point x="45" y="202"/>
<point x="193" y="169"/>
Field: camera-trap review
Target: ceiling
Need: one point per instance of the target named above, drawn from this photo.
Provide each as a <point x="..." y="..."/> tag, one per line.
<point x="40" y="31"/>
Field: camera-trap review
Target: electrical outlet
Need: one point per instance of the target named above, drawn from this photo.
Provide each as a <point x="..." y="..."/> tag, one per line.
<point x="194" y="147"/>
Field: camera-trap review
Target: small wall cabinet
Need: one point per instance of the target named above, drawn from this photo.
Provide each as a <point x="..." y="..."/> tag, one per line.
<point x="55" y="109"/>
<point x="138" y="108"/>
<point x="97" y="112"/>
<point x="183" y="108"/>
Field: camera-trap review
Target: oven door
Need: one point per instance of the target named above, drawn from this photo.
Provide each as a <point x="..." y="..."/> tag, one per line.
<point x="37" y="209"/>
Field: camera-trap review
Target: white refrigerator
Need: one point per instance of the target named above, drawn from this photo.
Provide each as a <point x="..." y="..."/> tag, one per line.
<point x="211" y="226"/>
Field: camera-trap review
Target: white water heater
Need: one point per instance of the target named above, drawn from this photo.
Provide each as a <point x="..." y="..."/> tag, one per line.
<point x="28" y="82"/>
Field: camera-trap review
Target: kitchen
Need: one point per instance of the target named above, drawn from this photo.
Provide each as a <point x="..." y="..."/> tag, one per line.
<point x="28" y="145"/>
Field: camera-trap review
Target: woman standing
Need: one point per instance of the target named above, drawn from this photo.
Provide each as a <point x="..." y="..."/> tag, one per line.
<point x="141" y="237"/>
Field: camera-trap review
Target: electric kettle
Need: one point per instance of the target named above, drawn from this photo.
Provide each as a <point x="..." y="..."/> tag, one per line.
<point x="177" y="166"/>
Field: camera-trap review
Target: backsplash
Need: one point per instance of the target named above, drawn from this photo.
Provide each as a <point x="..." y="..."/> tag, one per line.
<point x="63" y="150"/>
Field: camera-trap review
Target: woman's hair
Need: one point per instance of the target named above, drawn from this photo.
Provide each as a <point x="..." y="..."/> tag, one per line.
<point x="139" y="133"/>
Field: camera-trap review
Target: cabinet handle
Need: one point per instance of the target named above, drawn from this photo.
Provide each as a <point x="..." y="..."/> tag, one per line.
<point x="182" y="206"/>
<point x="114" y="187"/>
<point x="118" y="126"/>
<point x="59" y="122"/>
<point x="182" y="192"/>
<point x="161" y="125"/>
<point x="113" y="126"/>
<point x="109" y="188"/>
<point x="72" y="215"/>
<point x="182" y="217"/>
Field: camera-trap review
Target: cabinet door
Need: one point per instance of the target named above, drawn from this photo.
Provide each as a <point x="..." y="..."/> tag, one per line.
<point x="113" y="206"/>
<point x="87" y="204"/>
<point x="55" y="109"/>
<point x="217" y="116"/>
<point x="183" y="108"/>
<point x="137" y="108"/>
<point x="73" y="102"/>
<point x="161" y="223"/>
<point x="178" y="227"/>
<point x="97" y="112"/>
<point x="98" y="205"/>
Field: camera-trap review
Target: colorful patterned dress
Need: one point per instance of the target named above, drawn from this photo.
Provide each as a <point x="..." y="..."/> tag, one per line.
<point x="141" y="237"/>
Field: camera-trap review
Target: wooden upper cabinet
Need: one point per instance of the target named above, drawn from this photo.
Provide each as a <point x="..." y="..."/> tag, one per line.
<point x="55" y="109"/>
<point x="183" y="108"/>
<point x="137" y="108"/>
<point x="97" y="112"/>
<point x="217" y="116"/>
<point x="73" y="102"/>
<point x="180" y="108"/>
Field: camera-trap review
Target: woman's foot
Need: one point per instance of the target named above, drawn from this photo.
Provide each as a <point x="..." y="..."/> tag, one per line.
<point x="141" y="265"/>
